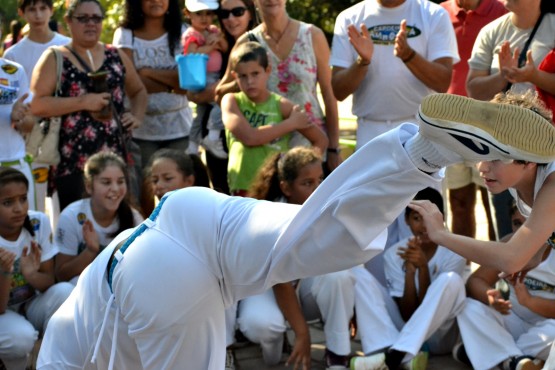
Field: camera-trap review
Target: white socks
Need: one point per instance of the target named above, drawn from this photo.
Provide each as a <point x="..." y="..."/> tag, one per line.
<point x="429" y="156"/>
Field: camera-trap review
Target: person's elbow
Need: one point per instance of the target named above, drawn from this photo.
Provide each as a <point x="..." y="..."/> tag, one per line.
<point x="338" y="88"/>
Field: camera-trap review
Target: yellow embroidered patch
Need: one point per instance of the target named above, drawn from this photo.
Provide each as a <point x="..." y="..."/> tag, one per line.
<point x="9" y="68"/>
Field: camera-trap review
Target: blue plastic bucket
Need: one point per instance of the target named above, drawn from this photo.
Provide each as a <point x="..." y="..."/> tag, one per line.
<point x="192" y="71"/>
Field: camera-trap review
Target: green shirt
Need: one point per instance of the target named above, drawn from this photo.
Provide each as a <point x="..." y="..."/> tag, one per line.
<point x="245" y="161"/>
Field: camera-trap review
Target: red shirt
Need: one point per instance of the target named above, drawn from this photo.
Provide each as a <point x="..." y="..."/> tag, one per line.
<point x="548" y="65"/>
<point x="467" y="25"/>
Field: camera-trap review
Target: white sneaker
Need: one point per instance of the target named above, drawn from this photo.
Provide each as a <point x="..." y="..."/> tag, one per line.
<point x="372" y="362"/>
<point x="482" y="131"/>
<point x="215" y="147"/>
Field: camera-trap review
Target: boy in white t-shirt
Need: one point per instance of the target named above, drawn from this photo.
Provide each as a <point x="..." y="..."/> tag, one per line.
<point x="425" y="291"/>
<point x="37" y="14"/>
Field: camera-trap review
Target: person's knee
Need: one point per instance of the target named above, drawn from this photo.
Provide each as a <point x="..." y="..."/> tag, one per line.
<point x="54" y="297"/>
<point x="19" y="343"/>
<point x="261" y="327"/>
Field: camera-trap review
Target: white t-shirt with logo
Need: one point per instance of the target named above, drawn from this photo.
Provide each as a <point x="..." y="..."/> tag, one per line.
<point x="69" y="232"/>
<point x="21" y="291"/>
<point x="389" y="90"/>
<point x="13" y="84"/>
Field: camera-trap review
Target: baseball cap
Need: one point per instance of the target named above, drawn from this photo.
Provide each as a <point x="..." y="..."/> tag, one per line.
<point x="198" y="5"/>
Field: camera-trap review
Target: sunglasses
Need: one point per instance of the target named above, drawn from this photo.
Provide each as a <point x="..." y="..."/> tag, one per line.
<point x="84" y="19"/>
<point x="237" y="12"/>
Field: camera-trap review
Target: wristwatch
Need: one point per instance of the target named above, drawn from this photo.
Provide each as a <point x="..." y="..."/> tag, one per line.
<point x="334" y="150"/>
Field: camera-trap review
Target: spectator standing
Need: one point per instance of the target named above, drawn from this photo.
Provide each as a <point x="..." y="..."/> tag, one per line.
<point x="468" y="17"/>
<point x="150" y="36"/>
<point x="14" y="36"/>
<point x="27" y="52"/>
<point x="497" y="56"/>
<point x="299" y="57"/>
<point x="83" y="132"/>
<point x="236" y="18"/>
<point x="259" y="122"/>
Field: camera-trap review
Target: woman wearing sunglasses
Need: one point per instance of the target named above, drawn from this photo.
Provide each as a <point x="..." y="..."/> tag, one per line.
<point x="84" y="130"/>
<point x="236" y="17"/>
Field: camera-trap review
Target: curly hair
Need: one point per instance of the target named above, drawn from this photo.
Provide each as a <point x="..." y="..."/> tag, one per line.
<point x="528" y="99"/>
<point x="281" y="167"/>
<point x="134" y="19"/>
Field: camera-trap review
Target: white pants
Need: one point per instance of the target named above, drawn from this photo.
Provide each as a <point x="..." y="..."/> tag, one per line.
<point x="40" y="180"/>
<point x="206" y="250"/>
<point x="18" y="334"/>
<point x="380" y="324"/>
<point x="329" y="297"/>
<point x="490" y="338"/>
<point x="550" y="363"/>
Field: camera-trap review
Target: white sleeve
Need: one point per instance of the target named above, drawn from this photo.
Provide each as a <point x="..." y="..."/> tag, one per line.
<point x="43" y="236"/>
<point x="482" y="51"/>
<point x="453" y="262"/>
<point x="394" y="272"/>
<point x="442" y="41"/>
<point x="68" y="233"/>
<point x="342" y="52"/>
<point x="123" y="38"/>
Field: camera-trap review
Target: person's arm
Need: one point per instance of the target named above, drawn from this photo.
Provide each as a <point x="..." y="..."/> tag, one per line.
<point x="346" y="81"/>
<point x="227" y="83"/>
<point x="43" y="84"/>
<point x="136" y="92"/>
<point x="40" y="275"/>
<point x="7" y="260"/>
<point x="510" y="257"/>
<point x="322" y="53"/>
<point x="69" y="266"/>
<point x="480" y="282"/>
<point x="435" y="74"/>
<point x="237" y="124"/>
<point x="150" y="85"/>
<point x="205" y="96"/>
<point x="542" y="306"/>
<point x="291" y="309"/>
<point x="416" y="266"/>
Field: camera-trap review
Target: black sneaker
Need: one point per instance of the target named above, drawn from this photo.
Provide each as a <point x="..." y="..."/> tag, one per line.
<point x="484" y="131"/>
<point x="335" y="361"/>
<point x="459" y="354"/>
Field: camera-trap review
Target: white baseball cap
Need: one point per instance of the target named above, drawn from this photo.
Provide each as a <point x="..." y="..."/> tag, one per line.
<point x="198" y="5"/>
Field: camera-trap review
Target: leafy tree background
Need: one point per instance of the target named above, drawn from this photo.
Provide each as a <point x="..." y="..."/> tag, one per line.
<point x="319" y="12"/>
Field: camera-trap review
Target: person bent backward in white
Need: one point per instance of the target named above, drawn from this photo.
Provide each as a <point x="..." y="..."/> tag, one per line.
<point x="201" y="250"/>
<point x="524" y="322"/>
<point x="425" y="292"/>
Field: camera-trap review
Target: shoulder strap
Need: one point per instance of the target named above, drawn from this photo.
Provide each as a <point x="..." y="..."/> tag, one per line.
<point x="59" y="66"/>
<point x="84" y="64"/>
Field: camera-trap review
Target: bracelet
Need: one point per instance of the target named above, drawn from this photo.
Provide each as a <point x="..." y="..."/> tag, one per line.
<point x="409" y="58"/>
<point x="362" y="63"/>
<point x="6" y="273"/>
<point x="334" y="150"/>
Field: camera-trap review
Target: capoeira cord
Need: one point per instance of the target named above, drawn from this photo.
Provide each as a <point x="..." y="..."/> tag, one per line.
<point x="118" y="256"/>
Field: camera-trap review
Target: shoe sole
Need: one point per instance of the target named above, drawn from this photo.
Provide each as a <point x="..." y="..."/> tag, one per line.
<point x="418" y="362"/>
<point x="518" y="132"/>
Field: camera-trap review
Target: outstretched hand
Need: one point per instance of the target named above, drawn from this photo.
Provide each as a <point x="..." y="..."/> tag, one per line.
<point x="497" y="302"/>
<point x="402" y="49"/>
<point x="433" y="218"/>
<point x="30" y="259"/>
<point x="362" y="42"/>
<point x="300" y="355"/>
<point x="514" y="74"/>
<point x="7" y="260"/>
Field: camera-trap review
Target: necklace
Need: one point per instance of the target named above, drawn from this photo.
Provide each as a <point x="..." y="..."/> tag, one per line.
<point x="276" y="41"/>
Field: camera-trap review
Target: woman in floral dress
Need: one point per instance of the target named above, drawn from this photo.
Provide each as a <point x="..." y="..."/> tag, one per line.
<point x="83" y="132"/>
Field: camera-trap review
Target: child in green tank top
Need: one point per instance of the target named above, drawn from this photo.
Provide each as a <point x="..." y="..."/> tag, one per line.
<point x="257" y="121"/>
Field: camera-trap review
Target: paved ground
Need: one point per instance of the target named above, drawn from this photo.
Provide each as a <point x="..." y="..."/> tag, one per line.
<point x="249" y="357"/>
